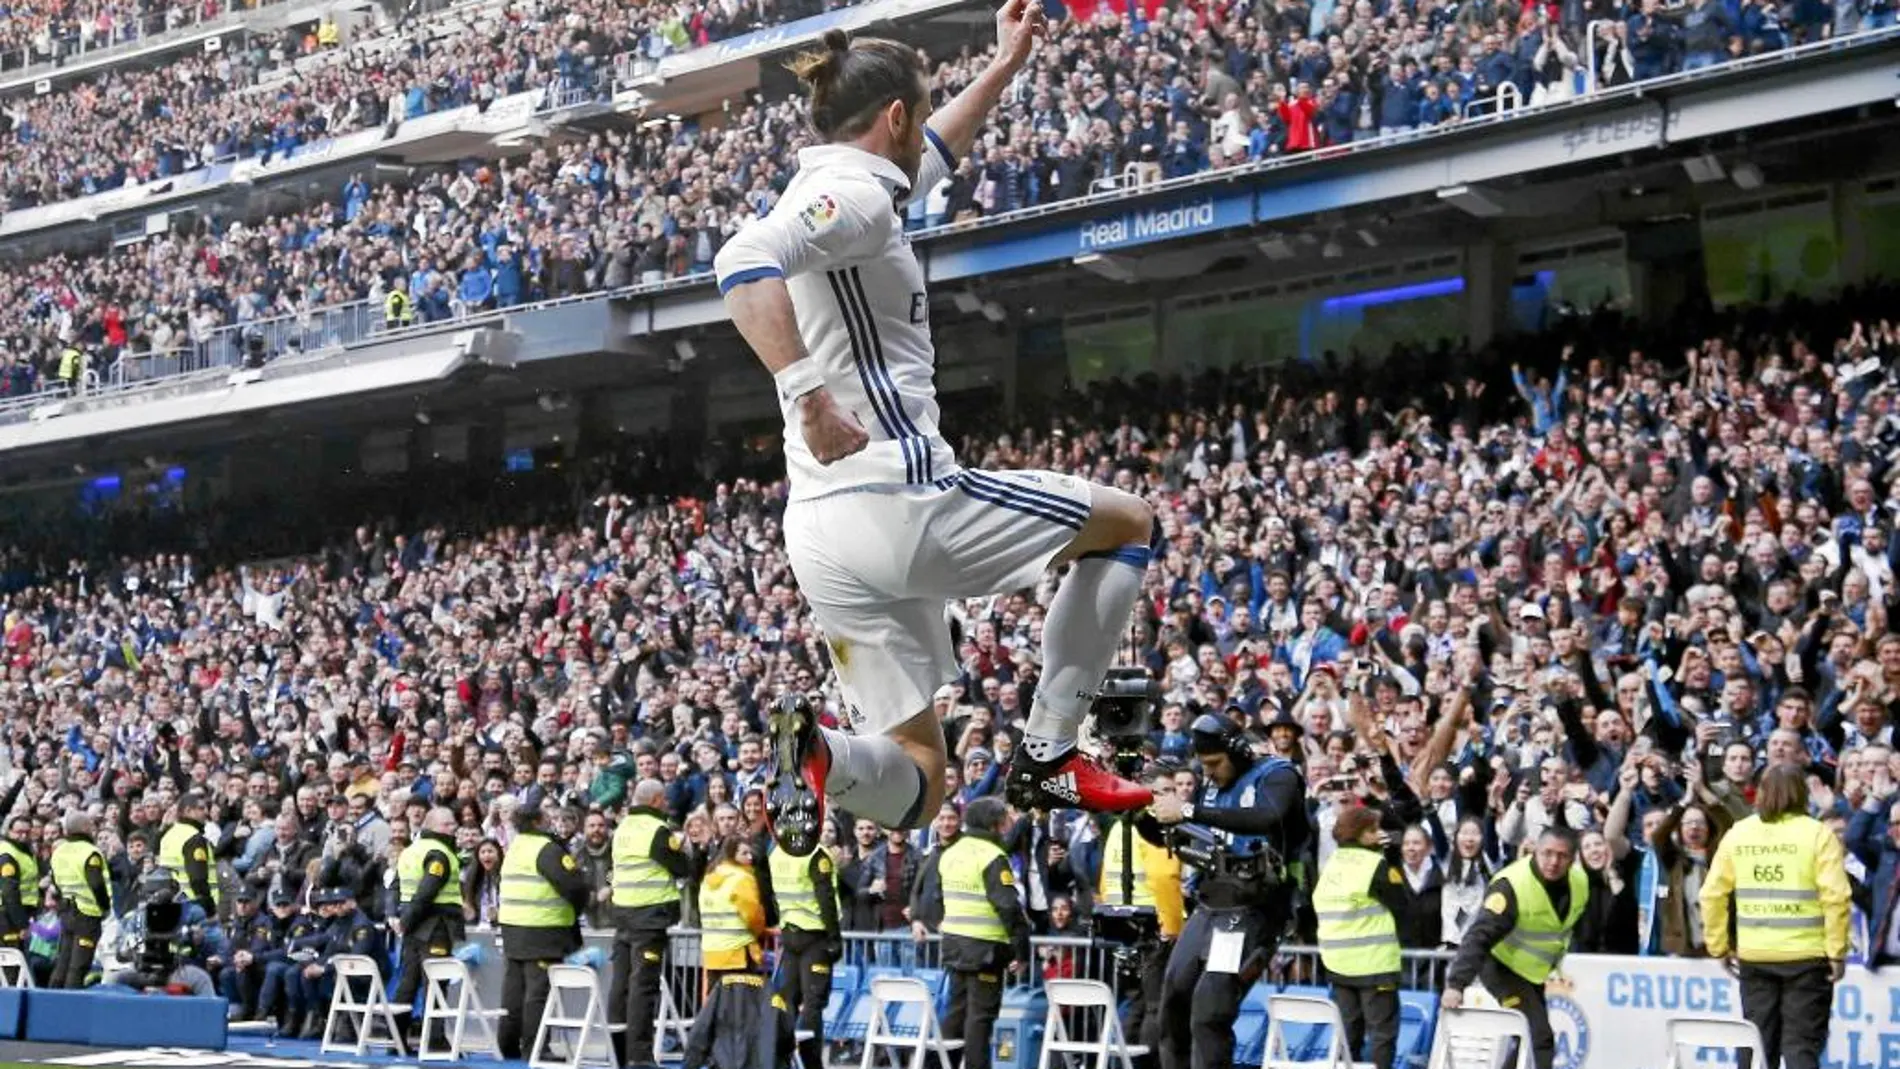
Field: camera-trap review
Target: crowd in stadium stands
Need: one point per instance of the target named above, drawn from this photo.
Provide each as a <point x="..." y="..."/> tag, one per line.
<point x="1108" y="97"/>
<point x="1598" y="591"/>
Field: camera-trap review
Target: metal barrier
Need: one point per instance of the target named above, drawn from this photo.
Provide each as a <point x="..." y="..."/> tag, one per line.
<point x="1053" y="957"/>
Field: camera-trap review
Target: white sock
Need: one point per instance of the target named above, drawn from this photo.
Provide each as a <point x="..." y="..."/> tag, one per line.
<point x="872" y="777"/>
<point x="1078" y="641"/>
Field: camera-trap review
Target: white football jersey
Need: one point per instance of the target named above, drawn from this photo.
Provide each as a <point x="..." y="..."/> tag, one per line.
<point x="837" y="238"/>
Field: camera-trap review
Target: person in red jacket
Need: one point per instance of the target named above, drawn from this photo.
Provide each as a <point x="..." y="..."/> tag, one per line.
<point x="1298" y="115"/>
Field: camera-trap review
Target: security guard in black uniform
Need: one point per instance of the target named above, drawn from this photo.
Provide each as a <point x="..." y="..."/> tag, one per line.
<point x="19" y="883"/>
<point x="187" y="853"/>
<point x="85" y="897"/>
<point x="429" y="896"/>
<point x="1521" y="933"/>
<point x="804" y="891"/>
<point x="648" y="867"/>
<point x="542" y="895"/>
<point x="1251" y="820"/>
<point x="968" y="892"/>
<point x="1359" y="899"/>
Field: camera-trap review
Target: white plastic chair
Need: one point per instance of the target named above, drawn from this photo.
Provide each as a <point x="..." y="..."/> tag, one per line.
<point x="14" y="971"/>
<point x="1283" y="1010"/>
<point x="669" y="1021"/>
<point x="584" y="1031"/>
<point x="1083" y="997"/>
<point x="354" y="972"/>
<point x="888" y="992"/>
<point x="449" y="996"/>
<point x="1727" y="1034"/>
<point x="1471" y="1038"/>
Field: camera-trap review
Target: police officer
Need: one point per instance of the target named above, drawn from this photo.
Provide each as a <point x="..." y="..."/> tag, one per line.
<point x="1521" y="933"/>
<point x="79" y="874"/>
<point x="247" y="934"/>
<point x="542" y="894"/>
<point x="648" y="865"/>
<point x="429" y="901"/>
<point x="1787" y="875"/>
<point x="1254" y="809"/>
<point x="187" y="853"/>
<point x="257" y="965"/>
<point x="1358" y="900"/>
<point x="347" y="930"/>
<point x="306" y="932"/>
<point x="1153" y="885"/>
<point x="969" y="892"/>
<point x="19" y="882"/>
<point x="805" y="891"/>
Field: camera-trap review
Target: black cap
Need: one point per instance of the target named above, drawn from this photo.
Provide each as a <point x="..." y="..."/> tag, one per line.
<point x="280" y="898"/>
<point x="191" y="800"/>
<point x="1285" y="720"/>
<point x="246" y="894"/>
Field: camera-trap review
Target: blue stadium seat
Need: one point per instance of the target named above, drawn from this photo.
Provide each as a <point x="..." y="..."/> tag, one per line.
<point x="908" y="1020"/>
<point x="844" y="992"/>
<point x="1250" y="1030"/>
<point x="1418" y="1021"/>
<point x="857" y="1016"/>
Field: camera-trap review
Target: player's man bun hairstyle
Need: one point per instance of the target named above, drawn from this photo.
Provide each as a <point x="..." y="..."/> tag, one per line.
<point x="850" y="82"/>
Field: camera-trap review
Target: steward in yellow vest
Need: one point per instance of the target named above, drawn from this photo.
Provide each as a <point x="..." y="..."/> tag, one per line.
<point x="1521" y="933"/>
<point x="85" y="898"/>
<point x="731" y="925"/>
<point x="1787" y="876"/>
<point x="968" y="891"/>
<point x="1358" y="900"/>
<point x="429" y="901"/>
<point x="648" y="865"/>
<point x="19" y="882"/>
<point x="804" y="898"/>
<point x="187" y="853"/>
<point x="398" y="310"/>
<point x="542" y="894"/>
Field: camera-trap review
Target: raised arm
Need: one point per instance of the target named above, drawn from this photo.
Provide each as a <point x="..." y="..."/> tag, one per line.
<point x="953" y="129"/>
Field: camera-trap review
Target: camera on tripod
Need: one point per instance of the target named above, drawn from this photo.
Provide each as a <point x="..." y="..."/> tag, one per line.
<point x="1125" y="715"/>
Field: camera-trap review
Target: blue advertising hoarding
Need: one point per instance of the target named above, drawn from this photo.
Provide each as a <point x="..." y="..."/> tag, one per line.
<point x="1112" y="229"/>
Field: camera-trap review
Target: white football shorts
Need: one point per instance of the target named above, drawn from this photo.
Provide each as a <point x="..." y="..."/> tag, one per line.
<point x="878" y="565"/>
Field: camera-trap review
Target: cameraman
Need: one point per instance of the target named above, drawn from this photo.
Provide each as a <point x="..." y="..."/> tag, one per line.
<point x="1252" y="814"/>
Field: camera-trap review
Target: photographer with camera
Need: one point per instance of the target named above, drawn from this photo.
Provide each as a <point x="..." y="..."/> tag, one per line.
<point x="1250" y="821"/>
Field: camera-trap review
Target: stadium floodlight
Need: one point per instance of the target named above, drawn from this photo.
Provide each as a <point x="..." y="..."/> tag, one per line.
<point x="1747" y="176"/>
<point x="1112" y="268"/>
<point x="1371" y="239"/>
<point x="1332" y="250"/>
<point x="1473" y="200"/>
<point x="1704" y="169"/>
<point x="685" y="350"/>
<point x="968" y="302"/>
<point x="1274" y="247"/>
<point x="994" y="312"/>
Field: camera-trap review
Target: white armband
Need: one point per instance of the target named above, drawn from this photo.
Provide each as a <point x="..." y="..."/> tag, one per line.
<point x="798" y="379"/>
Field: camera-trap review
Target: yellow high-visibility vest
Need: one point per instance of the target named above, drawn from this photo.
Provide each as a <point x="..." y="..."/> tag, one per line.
<point x="1358" y="936"/>
<point x="171" y="855"/>
<point x="967" y="909"/>
<point x="638" y="879"/>
<point x="412" y="862"/>
<point x="528" y="900"/>
<point x="1539" y="941"/>
<point x="69" y="875"/>
<point x="795" y="893"/>
<point x="1109" y="889"/>
<point x="722" y="928"/>
<point x="1777" y="902"/>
